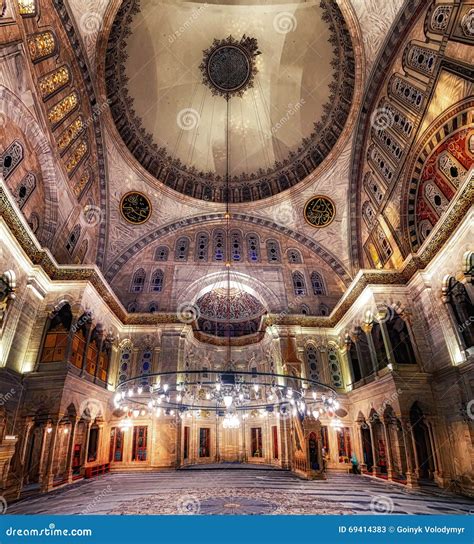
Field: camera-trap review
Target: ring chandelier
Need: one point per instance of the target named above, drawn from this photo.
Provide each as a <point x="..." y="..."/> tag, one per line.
<point x="233" y="395"/>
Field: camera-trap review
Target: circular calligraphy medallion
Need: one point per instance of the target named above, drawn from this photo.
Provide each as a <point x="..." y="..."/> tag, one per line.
<point x="319" y="211"/>
<point x="135" y="208"/>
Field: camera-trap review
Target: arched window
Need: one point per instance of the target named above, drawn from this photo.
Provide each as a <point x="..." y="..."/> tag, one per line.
<point x="182" y="249"/>
<point x="294" y="256"/>
<point x="156" y="284"/>
<point x="312" y="362"/>
<point x="299" y="284"/>
<point x="253" y="248"/>
<point x="334" y="367"/>
<point x="273" y="251"/>
<point x="218" y="245"/>
<point x="304" y="309"/>
<point x="161" y="253"/>
<point x="132" y="308"/>
<point x="402" y="348"/>
<point x="153" y="307"/>
<point x="24" y="189"/>
<point x="138" y="281"/>
<point x="236" y="245"/>
<point x="318" y="284"/>
<point x="34" y="222"/>
<point x="323" y="310"/>
<point x="368" y="213"/>
<point x="146" y="361"/>
<point x="11" y="158"/>
<point x="462" y="310"/>
<point x="125" y="362"/>
<point x="202" y="246"/>
<point x="73" y="239"/>
<point x="82" y="252"/>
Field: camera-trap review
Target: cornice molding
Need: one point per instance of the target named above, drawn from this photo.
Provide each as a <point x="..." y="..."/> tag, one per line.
<point x="55" y="272"/>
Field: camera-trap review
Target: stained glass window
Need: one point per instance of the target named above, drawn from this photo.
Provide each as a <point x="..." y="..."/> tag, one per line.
<point x="138" y="281"/>
<point x="273" y="251"/>
<point x="157" y="281"/>
<point x="253" y="248"/>
<point x="181" y="250"/>
<point x="202" y="246"/>
<point x="317" y="284"/>
<point x="299" y="285"/>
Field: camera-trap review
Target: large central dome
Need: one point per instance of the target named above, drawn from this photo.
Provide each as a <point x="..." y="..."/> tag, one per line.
<point x="291" y="101"/>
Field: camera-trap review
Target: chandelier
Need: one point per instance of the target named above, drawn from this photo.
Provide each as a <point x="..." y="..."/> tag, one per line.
<point x="232" y="395"/>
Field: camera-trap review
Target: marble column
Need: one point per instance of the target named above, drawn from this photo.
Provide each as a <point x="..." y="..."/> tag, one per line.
<point x="375" y="467"/>
<point x="48" y="476"/>
<point x="367" y="328"/>
<point x="388" y="442"/>
<point x="70" y="450"/>
<point x="411" y="474"/>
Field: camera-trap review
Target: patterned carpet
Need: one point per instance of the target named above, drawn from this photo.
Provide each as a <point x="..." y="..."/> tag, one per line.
<point x="228" y="502"/>
<point x="240" y="491"/>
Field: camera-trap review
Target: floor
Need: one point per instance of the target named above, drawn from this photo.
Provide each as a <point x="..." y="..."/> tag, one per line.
<point x="243" y="491"/>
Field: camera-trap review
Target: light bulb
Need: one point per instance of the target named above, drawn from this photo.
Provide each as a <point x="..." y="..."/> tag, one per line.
<point x="256" y="386"/>
<point x="241" y="396"/>
<point x="158" y="412"/>
<point x="118" y="397"/>
<point x="295" y="411"/>
<point x="208" y="396"/>
<point x="140" y="390"/>
<point x="142" y="413"/>
<point x="172" y="413"/>
<point x="218" y="386"/>
<point x="228" y="400"/>
<point x="314" y="395"/>
<point x="130" y="392"/>
<point x="165" y="387"/>
<point x="179" y="397"/>
<point x="66" y="430"/>
<point x="136" y="413"/>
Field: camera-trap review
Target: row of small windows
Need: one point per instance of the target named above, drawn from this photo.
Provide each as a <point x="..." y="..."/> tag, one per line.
<point x="157" y="279"/>
<point x="217" y="248"/>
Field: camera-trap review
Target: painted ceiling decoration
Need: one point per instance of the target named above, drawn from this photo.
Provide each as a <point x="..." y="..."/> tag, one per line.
<point x="295" y="93"/>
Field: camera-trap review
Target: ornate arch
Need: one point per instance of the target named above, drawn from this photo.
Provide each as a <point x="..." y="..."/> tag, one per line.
<point x="319" y="250"/>
<point x="12" y="107"/>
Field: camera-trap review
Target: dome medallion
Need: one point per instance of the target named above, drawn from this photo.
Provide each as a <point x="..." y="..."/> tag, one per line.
<point x="283" y="78"/>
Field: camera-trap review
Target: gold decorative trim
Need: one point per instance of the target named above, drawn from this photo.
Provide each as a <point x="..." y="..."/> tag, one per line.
<point x="386" y="277"/>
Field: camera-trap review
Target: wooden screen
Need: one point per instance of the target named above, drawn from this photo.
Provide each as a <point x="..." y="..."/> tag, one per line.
<point x="256" y="441"/>
<point x="91" y="358"/>
<point x="139" y="450"/>
<point x="55" y="347"/>
<point x="78" y="347"/>
<point x="204" y="442"/>
<point x="103" y="366"/>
